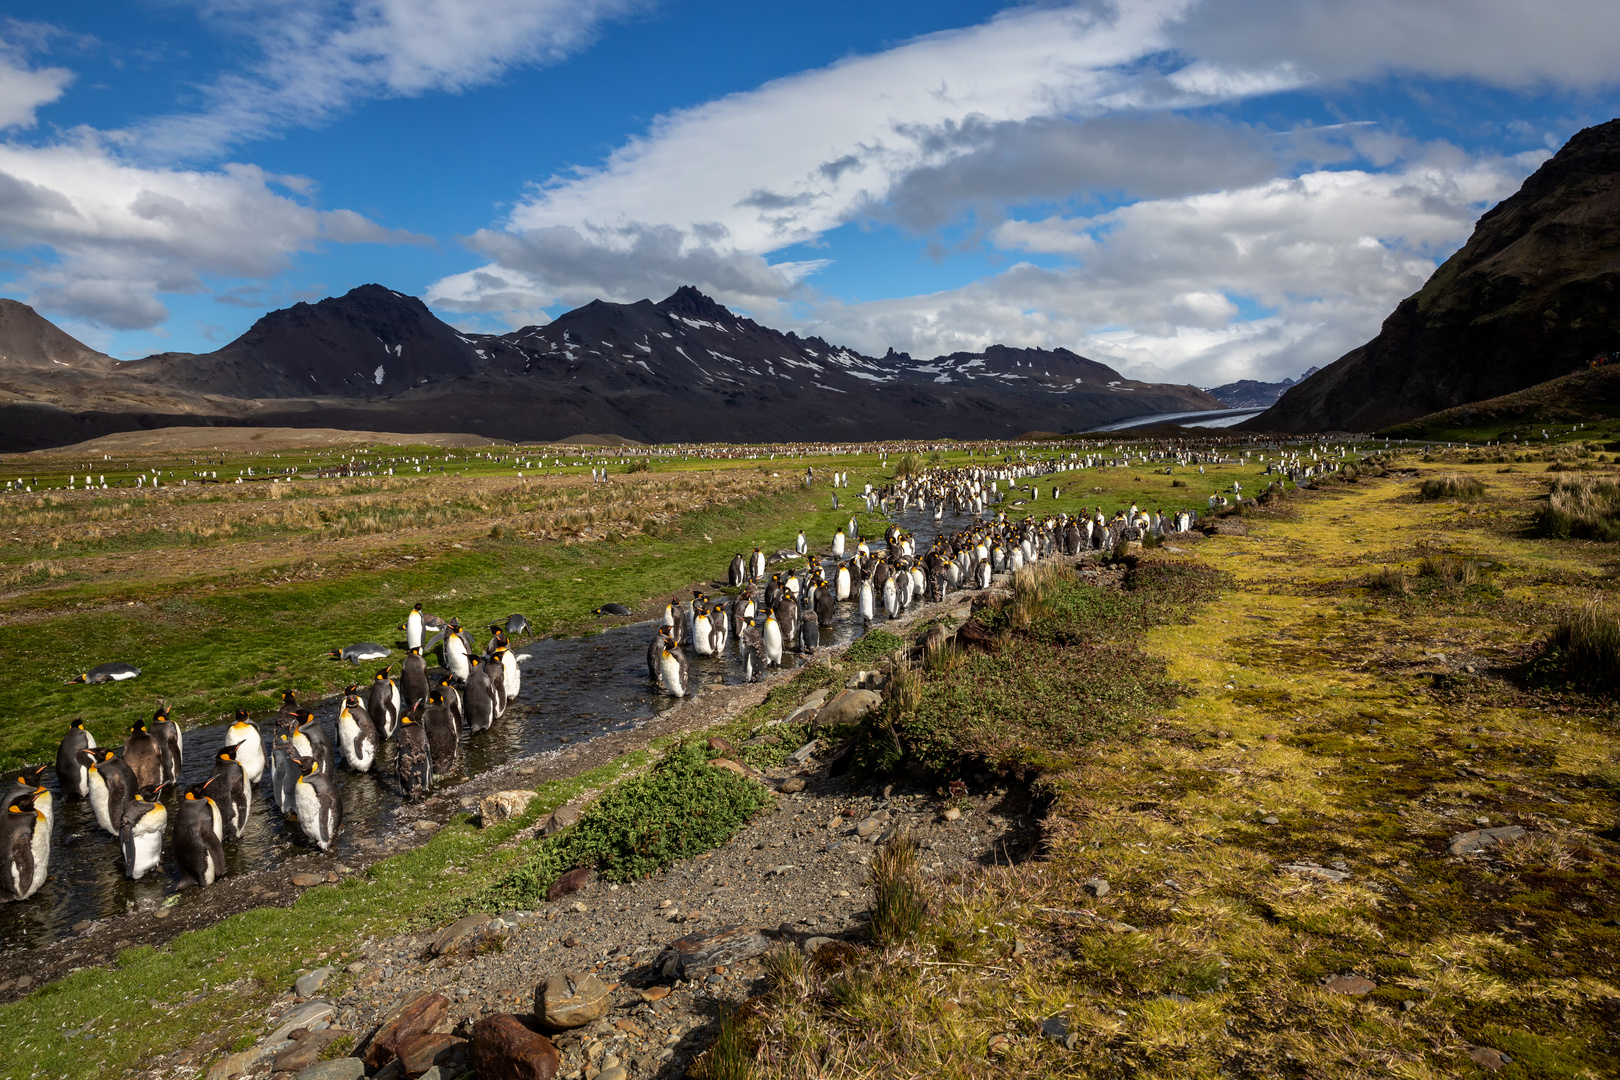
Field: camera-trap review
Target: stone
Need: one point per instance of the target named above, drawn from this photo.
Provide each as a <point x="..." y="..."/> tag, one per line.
<point x="616" y="1072"/>
<point x="951" y="813"/>
<point x="416" y="1014"/>
<point x="570" y="1000"/>
<point x="869" y="826"/>
<point x="732" y="766"/>
<point x="504" y="1049"/>
<point x="1480" y="839"/>
<point x="305" y="1016"/>
<point x="719" y="745"/>
<point x="1096" y="886"/>
<point x="725" y="945"/>
<point x="1132" y="547"/>
<point x="355" y="968"/>
<point x="848" y="707"/>
<point x="493" y="809"/>
<point x="803" y="753"/>
<point x="560" y="819"/>
<point x="1353" y="985"/>
<point x="310" y="982"/>
<point x="1310" y="869"/>
<point x="569" y="883"/>
<point x="235" y="1065"/>
<point x="792" y="786"/>
<point x="419" y="1054"/>
<point x="337" y="1069"/>
<point x="1489" y="1057"/>
<point x="654" y="993"/>
<point x="304" y="881"/>
<point x="306" y="1051"/>
<point x="812" y="944"/>
<point x="817" y="698"/>
<point x="425" y="826"/>
<point x="1271" y="819"/>
<point x="804" y="714"/>
<point x="460" y="934"/>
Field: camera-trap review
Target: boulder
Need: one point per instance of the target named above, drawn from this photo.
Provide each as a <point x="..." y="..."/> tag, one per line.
<point x="727" y="945"/>
<point x="570" y="883"/>
<point x="571" y="1000"/>
<point x="1479" y="839"/>
<point x="848" y="707"/>
<point x="560" y="819"/>
<point x="337" y="1069"/>
<point x="504" y="1049"/>
<point x="461" y="934"/>
<point x="421" y="1052"/>
<point x="496" y="808"/>
<point x="306" y="1051"/>
<point x="973" y="634"/>
<point x="305" y="1016"/>
<point x="416" y="1014"/>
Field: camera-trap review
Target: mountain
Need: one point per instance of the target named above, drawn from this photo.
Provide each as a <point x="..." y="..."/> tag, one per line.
<point x="1591" y="395"/>
<point x="684" y="369"/>
<point x="1251" y="394"/>
<point x="1534" y="294"/>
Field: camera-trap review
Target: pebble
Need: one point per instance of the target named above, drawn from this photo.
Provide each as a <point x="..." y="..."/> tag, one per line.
<point x="952" y="813"/>
<point x="1096" y="886"/>
<point x="1349" y="984"/>
<point x="311" y="981"/>
<point x="792" y="786"/>
<point x="304" y="881"/>
<point x="426" y="826"/>
<point x="1271" y="819"/>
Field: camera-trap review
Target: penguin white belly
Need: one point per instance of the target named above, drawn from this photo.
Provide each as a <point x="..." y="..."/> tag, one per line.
<point x="99" y="800"/>
<point x="455" y="656"/>
<point x="868" y="605"/>
<point x="357" y="755"/>
<point x="308" y="801"/>
<point x="919" y="582"/>
<point x="891" y="598"/>
<point x="669" y="673"/>
<point x="41" y="846"/>
<point x="843" y="587"/>
<point x="301" y="747"/>
<point x="250" y="750"/>
<point x="772" y="635"/>
<point x="413" y="631"/>
<point x="984" y="575"/>
<point x="838" y="545"/>
<point x="700" y="636"/>
<point x="144" y="848"/>
<point x="511" y="676"/>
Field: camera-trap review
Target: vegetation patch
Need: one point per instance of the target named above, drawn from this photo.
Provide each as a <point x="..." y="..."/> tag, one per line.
<point x="1452" y="486"/>
<point x="1581" y="508"/>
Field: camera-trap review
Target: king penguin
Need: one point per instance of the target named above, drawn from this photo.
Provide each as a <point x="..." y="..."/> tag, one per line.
<point x="228" y="787"/>
<point x="143" y="753"/>
<point x="357" y="734"/>
<point x="245" y="735"/>
<point x="284" y="772"/>
<point x="383" y="703"/>
<point x="198" y="849"/>
<point x="771" y="633"/>
<point x="141" y="832"/>
<point x="672" y="670"/>
<point x="413" y="762"/>
<point x="440" y="727"/>
<point x="801" y="545"/>
<point x="838" y="544"/>
<point x="484" y="686"/>
<point x="25" y="845"/>
<point x="316" y="742"/>
<point x="456" y="650"/>
<point x="112" y="785"/>
<point x="413" y="628"/>
<point x="320" y="811"/>
<point x="171" y="742"/>
<point x="70" y="770"/>
<point x="413" y="680"/>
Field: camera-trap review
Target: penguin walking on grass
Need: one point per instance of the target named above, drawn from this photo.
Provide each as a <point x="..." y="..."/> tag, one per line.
<point x="382" y="703"/>
<point x="735" y="574"/>
<point x="756" y="565"/>
<point x="413" y="761"/>
<point x="112" y="785"/>
<point x="413" y="627"/>
<point x="801" y="545"/>
<point x="140" y="835"/>
<point x="143" y="753"/>
<point x="320" y="810"/>
<point x="71" y="773"/>
<point x="198" y="826"/>
<point x="248" y="741"/>
<point x="25" y="845"/>
<point x="228" y="786"/>
<point x="171" y="743"/>
<point x="357" y="734"/>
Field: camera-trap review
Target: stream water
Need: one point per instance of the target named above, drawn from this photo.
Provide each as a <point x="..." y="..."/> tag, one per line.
<point x="575" y="688"/>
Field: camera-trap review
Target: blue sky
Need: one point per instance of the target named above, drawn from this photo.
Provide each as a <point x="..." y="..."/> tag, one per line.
<point x="1195" y="190"/>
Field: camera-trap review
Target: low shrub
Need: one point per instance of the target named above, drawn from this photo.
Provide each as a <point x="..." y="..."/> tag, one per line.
<point x="1583" y="508"/>
<point x="1452" y="486"/>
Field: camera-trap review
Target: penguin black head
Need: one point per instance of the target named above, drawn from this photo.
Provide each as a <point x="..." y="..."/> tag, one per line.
<point x="306" y="718"/>
<point x="436" y="698"/>
<point x="162" y="712"/>
<point x="138" y="726"/>
<point x="308" y="767"/>
<point x="241" y="716"/>
<point x="83" y="677"/>
<point x="454" y="623"/>
<point x="198" y="791"/>
<point x="417" y="607"/>
<point x="414" y="650"/>
<point x="351" y="691"/>
<point x="336" y="654"/>
<point x="77" y="724"/>
<point x="472" y="662"/>
<point x="382" y="675"/>
<point x="24" y="804"/>
<point x="229" y="753"/>
<point x="89" y="759"/>
<point x="289" y="699"/>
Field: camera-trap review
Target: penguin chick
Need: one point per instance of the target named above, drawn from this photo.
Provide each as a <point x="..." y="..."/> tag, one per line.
<point x="440" y="728"/>
<point x="144" y="755"/>
<point x="198" y="850"/>
<point x="413" y="761"/>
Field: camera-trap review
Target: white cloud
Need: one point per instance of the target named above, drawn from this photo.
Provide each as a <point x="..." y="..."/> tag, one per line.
<point x="23" y="89"/>
<point x="121" y="234"/>
<point x="320" y="59"/>
<point x="1066" y="105"/>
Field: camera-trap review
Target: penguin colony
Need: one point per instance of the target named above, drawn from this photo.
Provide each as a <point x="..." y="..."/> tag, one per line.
<point x="769" y="617"/>
<point x="126" y="787"/>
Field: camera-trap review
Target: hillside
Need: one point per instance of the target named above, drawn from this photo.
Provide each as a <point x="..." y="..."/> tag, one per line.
<point x="1533" y="294"/>
<point x="685" y="369"/>
<point x="1589" y="396"/>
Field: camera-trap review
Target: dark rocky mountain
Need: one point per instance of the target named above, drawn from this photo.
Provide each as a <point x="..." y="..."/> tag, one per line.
<point x="1533" y="295"/>
<point x="684" y="369"/>
<point x="1253" y="394"/>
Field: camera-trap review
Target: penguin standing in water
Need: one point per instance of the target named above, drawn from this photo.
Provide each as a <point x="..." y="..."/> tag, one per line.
<point x="655" y="651"/>
<point x="25" y="845"/>
<point x="198" y="849"/>
<point x="702" y="637"/>
<point x="143" y="753"/>
<point x="771" y="634"/>
<point x="484" y="686"/>
<point x="809" y="628"/>
<point x="382" y="703"/>
<point x="28" y="781"/>
<point x="751" y="643"/>
<point x="112" y="785"/>
<point x="248" y="740"/>
<point x="141" y="832"/>
<point x="672" y="670"/>
<point x="413" y="680"/>
<point x="868" y="602"/>
<point x="316" y="742"/>
<point x="283" y="773"/>
<point x="357" y="735"/>
<point x="843" y="584"/>
<point x="413" y="628"/>
<point x="440" y="727"/>
<point x="413" y="761"/>
<point x="171" y="742"/>
<point x="824" y="604"/>
<point x="735" y="575"/>
<point x="511" y="674"/>
<point x="787" y="619"/>
<point x="229" y="787"/>
<point x="320" y="811"/>
<point x="454" y="702"/>
<point x="70" y="770"/>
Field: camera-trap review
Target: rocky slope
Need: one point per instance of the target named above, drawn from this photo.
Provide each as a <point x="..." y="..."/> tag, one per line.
<point x="1253" y="394"/>
<point x="1533" y="295"/>
<point x="684" y="369"/>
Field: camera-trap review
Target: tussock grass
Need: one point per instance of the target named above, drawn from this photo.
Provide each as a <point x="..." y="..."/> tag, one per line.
<point x="1583" y="508"/>
<point x="1451" y="571"/>
<point x="899" y="901"/>
<point x="1390" y="581"/>
<point x="1584" y="649"/>
<point x="1452" y="486"/>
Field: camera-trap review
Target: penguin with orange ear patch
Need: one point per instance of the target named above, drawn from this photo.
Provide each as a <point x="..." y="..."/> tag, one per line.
<point x="25" y="845"/>
<point x="141" y="833"/>
<point x="198" y="826"/>
<point x="229" y="788"/>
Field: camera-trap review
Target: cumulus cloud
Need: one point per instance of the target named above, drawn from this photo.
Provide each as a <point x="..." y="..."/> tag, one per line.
<point x="1094" y="103"/>
<point x="120" y="234"/>
<point x="320" y="59"/>
<point x="23" y="89"/>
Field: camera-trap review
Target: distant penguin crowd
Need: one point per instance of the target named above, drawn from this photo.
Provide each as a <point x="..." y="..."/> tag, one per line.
<point x="426" y="712"/>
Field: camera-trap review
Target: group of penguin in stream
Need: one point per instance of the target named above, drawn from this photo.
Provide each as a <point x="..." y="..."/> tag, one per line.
<point x="426" y="711"/>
